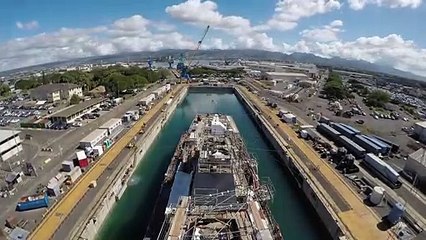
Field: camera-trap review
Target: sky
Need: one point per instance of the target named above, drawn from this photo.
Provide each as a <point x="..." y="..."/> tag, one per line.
<point x="387" y="32"/>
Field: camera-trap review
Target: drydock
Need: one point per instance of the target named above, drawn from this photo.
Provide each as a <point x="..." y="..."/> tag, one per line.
<point x="213" y="187"/>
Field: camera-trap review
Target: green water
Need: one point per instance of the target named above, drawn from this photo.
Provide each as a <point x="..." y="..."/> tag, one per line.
<point x="291" y="210"/>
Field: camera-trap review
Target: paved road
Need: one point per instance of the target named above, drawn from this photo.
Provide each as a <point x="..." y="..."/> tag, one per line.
<point x="68" y="142"/>
<point x="365" y="229"/>
<point x="58" y="213"/>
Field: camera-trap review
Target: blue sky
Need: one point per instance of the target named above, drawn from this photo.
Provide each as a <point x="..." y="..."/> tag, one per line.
<point x="380" y="31"/>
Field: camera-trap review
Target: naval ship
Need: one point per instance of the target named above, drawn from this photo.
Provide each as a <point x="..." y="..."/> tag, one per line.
<point x="211" y="189"/>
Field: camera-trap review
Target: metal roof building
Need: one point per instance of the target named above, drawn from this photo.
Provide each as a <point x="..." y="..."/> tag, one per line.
<point x="69" y="114"/>
<point x="10" y="144"/>
<point x="416" y="167"/>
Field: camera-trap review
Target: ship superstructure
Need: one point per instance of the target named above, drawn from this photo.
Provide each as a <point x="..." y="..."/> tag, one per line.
<point x="216" y="192"/>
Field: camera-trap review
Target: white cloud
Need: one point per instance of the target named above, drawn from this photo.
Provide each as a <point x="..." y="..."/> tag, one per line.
<point x="391" y="50"/>
<point x="325" y="33"/>
<point x="289" y="12"/>
<point x="28" y="25"/>
<point x="126" y="34"/>
<point x="218" y="43"/>
<point x="360" y="4"/>
<point x="203" y="13"/>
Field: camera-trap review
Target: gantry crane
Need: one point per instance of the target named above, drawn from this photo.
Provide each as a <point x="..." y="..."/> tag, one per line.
<point x="184" y="70"/>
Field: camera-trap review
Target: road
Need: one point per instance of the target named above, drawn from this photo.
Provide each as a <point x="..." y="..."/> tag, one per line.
<point x="350" y="217"/>
<point x="57" y="214"/>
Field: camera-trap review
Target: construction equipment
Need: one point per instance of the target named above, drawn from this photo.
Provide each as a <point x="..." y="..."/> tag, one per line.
<point x="184" y="69"/>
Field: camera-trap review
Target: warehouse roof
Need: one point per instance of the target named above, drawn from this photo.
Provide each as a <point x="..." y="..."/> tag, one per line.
<point x="419" y="156"/>
<point x="77" y="108"/>
<point x="5" y="134"/>
<point x="421" y="124"/>
<point x="286" y="74"/>
<point x="41" y="91"/>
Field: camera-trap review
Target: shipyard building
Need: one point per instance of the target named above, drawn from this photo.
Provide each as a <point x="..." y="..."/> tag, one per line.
<point x="68" y="115"/>
<point x="56" y="92"/>
<point x="10" y="144"/>
<point x="420" y="131"/>
<point x="416" y="167"/>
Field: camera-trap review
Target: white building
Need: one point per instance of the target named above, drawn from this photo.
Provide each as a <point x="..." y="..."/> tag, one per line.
<point x="416" y="167"/>
<point x="284" y="76"/>
<point x="111" y="125"/>
<point x="420" y="131"/>
<point x="10" y="144"/>
<point x="94" y="138"/>
<point x="56" y="91"/>
<point x="217" y="127"/>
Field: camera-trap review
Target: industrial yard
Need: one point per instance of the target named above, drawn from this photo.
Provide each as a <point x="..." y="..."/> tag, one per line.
<point x="65" y="154"/>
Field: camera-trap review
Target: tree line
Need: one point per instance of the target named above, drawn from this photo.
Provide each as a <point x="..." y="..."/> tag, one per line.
<point x="114" y="79"/>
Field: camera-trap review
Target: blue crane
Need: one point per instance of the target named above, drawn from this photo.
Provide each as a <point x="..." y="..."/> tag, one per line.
<point x="149" y="63"/>
<point x="170" y="60"/>
<point x="184" y="70"/>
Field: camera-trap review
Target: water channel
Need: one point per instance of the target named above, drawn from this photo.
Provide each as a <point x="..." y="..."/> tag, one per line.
<point x="291" y="210"/>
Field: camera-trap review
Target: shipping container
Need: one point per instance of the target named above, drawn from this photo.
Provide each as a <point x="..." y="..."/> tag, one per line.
<point x="281" y="112"/>
<point x="346" y="132"/>
<point x="80" y="155"/>
<point x="169" y="102"/>
<point x="147" y="100"/>
<point x="352" y="147"/>
<point x="289" y="118"/>
<point x="356" y="131"/>
<point x="74" y="174"/>
<point x="328" y="131"/>
<point x="83" y="163"/>
<point x="54" y="188"/>
<point x="325" y="120"/>
<point x="32" y="202"/>
<point x="111" y="125"/>
<point x="385" y="172"/>
<point x="385" y="148"/>
<point x="98" y="150"/>
<point x="93" y="138"/>
<point x="67" y="166"/>
<point x="366" y="144"/>
<point x="394" y="146"/>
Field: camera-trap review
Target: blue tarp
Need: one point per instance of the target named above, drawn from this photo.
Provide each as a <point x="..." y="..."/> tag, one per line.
<point x="181" y="187"/>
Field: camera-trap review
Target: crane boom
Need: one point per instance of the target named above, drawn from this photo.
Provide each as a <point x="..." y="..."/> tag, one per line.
<point x="199" y="44"/>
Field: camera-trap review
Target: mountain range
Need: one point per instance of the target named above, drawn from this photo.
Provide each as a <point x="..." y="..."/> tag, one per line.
<point x="245" y="54"/>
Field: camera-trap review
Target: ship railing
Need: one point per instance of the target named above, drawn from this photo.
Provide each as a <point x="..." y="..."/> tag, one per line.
<point x="267" y="189"/>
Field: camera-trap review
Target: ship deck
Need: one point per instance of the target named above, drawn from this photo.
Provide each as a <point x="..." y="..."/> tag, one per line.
<point x="226" y="199"/>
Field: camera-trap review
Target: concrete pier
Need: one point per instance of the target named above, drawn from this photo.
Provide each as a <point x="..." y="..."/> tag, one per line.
<point x="92" y="223"/>
<point x="336" y="203"/>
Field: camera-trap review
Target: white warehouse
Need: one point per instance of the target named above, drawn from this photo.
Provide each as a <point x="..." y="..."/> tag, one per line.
<point x="10" y="144"/>
<point x="94" y="138"/>
<point x="416" y="167"/>
<point x="420" y="131"/>
<point x="147" y="100"/>
<point x="112" y="125"/>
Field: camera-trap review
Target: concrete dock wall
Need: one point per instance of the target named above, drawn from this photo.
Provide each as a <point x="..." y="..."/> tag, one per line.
<point x="113" y="191"/>
<point x="313" y="194"/>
